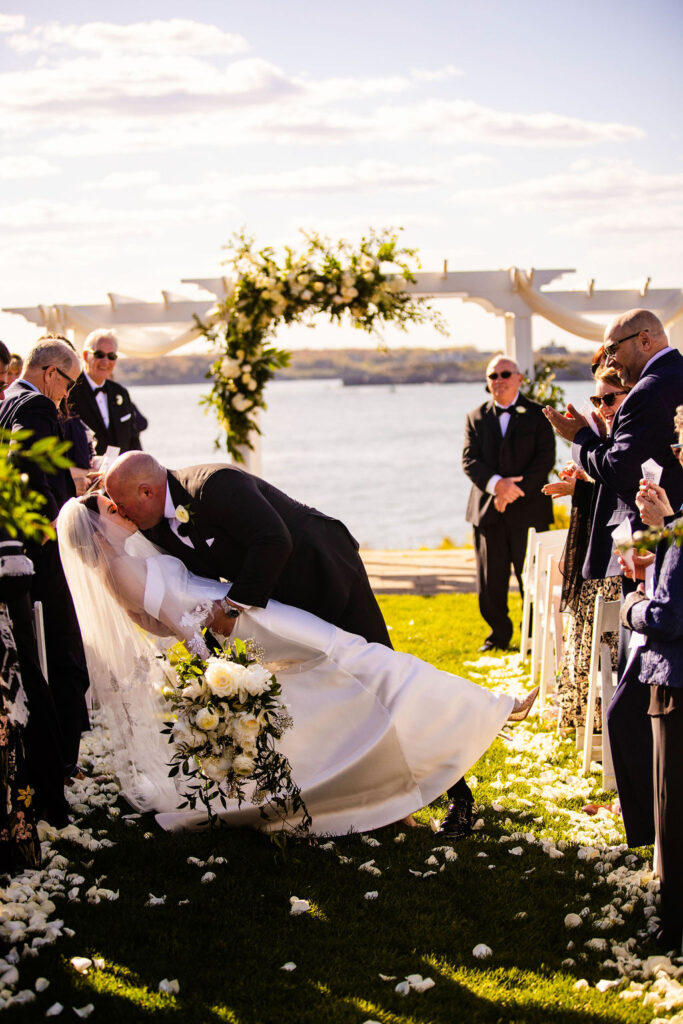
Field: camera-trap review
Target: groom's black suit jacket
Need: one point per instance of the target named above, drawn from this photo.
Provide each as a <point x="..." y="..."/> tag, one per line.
<point x="268" y="545"/>
<point x="527" y="450"/>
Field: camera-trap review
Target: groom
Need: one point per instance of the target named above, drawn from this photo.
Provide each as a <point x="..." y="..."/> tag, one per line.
<point x="224" y="523"/>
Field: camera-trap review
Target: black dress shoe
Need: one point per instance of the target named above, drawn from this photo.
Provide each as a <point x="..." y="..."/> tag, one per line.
<point x="491" y="645"/>
<point x="458" y="821"/>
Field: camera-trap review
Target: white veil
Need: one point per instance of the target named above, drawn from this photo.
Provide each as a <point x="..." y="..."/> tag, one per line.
<point x="126" y="670"/>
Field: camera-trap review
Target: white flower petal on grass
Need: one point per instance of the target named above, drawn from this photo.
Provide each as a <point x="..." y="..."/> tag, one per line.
<point x="572" y="921"/>
<point x="432" y="860"/>
<point x="450" y="854"/>
<point x="84" y="1011"/>
<point x="369" y="866"/>
<point x="479" y="824"/>
<point x="521" y="915"/>
<point x="428" y="874"/>
<point x="155" y="901"/>
<point x="207" y="877"/>
<point x="434" y="824"/>
<point x="289" y="966"/>
<point x="403" y="988"/>
<point x="418" y="874"/>
<point x="482" y="952"/>
<point x="387" y="977"/>
<point x="169" y="987"/>
<point x="606" y="983"/>
<point x="370" y="841"/>
<point x="516" y="851"/>
<point x="372" y="895"/>
<point x="41" y="984"/>
<point x="580" y="985"/>
<point x="81" y="964"/>
<point x="400" y="838"/>
<point x="98" y="962"/>
<point x="298" y="906"/>
<point x="54" y="1010"/>
<point x="327" y="846"/>
<point x="423" y="985"/>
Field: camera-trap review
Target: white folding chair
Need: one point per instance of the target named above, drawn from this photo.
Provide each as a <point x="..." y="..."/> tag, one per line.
<point x="39" y="628"/>
<point x="550" y="542"/>
<point x="552" y="629"/>
<point x="606" y="621"/>
<point x="528" y="580"/>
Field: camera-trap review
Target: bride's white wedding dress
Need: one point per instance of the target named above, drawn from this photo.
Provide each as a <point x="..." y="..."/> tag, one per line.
<point x="377" y="733"/>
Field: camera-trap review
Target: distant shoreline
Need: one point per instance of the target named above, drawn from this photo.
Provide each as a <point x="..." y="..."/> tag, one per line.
<point x="356" y="367"/>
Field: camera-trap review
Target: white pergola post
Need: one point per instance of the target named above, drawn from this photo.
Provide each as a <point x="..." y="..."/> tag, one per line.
<point x="518" y="342"/>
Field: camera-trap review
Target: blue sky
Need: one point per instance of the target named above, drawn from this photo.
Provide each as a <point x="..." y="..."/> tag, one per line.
<point x="137" y="138"/>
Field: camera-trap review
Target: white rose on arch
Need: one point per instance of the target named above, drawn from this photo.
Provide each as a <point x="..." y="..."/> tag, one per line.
<point x="240" y="403"/>
<point x="230" y="367"/>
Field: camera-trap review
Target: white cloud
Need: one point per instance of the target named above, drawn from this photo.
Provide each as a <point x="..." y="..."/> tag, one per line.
<point x="453" y="121"/>
<point x="12" y="22"/>
<point x="49" y="217"/>
<point x="437" y="74"/>
<point x="173" y="37"/>
<point x="606" y="183"/>
<point x="124" y="179"/>
<point x="19" y="167"/>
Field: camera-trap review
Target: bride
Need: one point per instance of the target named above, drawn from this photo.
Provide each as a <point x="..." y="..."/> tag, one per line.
<point x="377" y="733"/>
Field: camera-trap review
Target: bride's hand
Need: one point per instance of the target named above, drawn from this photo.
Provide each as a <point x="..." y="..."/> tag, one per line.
<point x="220" y="623"/>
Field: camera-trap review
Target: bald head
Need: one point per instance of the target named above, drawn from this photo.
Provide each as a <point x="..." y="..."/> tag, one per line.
<point x="136" y="482"/>
<point x="631" y="340"/>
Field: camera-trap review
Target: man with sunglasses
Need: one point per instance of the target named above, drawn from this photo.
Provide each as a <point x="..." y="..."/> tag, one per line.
<point x="104" y="405"/>
<point x="31" y="404"/>
<point x="636" y="346"/>
<point x="509" y="452"/>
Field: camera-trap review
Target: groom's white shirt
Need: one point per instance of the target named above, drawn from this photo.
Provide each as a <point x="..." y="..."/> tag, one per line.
<point x="174" y="523"/>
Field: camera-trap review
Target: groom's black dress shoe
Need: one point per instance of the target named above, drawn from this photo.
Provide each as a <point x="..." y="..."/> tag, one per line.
<point x="491" y="645"/>
<point x="458" y="821"/>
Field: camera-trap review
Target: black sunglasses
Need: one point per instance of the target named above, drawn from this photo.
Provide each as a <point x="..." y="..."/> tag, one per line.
<point x="608" y="400"/>
<point x="99" y="354"/>
<point x="61" y="374"/>
<point x="612" y="346"/>
<point x="503" y="373"/>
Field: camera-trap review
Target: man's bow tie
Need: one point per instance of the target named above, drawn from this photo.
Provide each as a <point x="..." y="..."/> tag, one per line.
<point x="500" y="412"/>
<point x="98" y="391"/>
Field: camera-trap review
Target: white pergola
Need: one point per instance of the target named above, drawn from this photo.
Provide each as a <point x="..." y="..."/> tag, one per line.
<point x="147" y="329"/>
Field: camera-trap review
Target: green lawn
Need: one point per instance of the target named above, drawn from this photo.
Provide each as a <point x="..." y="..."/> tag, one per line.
<point x="227" y="940"/>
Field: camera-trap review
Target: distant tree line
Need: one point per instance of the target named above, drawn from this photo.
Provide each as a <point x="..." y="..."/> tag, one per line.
<point x="357" y="366"/>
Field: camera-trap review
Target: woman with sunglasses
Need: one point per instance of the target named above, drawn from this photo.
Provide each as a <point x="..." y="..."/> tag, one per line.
<point x="103" y="404"/>
<point x="578" y="594"/>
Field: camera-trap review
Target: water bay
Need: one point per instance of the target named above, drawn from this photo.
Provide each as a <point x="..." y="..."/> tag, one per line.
<point x="386" y="460"/>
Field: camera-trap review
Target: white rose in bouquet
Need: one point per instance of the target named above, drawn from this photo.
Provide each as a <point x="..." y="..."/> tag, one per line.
<point x="243" y="764"/>
<point x="216" y="768"/>
<point x="245" y="730"/>
<point x="223" y="677"/>
<point x="193" y="690"/>
<point x="207" y="719"/>
<point x="183" y="733"/>
<point x="367" y="262"/>
<point x="256" y="679"/>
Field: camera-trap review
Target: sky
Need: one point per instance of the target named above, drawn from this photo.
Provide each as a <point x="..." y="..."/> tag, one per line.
<point x="137" y="138"/>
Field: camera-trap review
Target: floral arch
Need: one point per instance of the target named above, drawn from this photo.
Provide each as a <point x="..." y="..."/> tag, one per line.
<point x="364" y="285"/>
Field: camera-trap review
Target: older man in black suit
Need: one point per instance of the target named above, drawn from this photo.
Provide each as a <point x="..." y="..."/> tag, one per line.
<point x="104" y="405"/>
<point x="31" y="404"/>
<point x="508" y="454"/>
<point x="636" y="346"/>
<point x="222" y="522"/>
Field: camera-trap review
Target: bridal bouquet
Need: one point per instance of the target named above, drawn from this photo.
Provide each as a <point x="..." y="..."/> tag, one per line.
<point x="228" y="716"/>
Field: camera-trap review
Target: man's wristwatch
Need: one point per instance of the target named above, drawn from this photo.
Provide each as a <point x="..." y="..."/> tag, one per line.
<point x="229" y="610"/>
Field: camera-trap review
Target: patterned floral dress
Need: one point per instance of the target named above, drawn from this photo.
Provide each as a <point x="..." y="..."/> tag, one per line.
<point x="19" y="844"/>
<point x="573" y="683"/>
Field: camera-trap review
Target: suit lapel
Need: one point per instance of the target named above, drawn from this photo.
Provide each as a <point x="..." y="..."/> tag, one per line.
<point x="180" y="496"/>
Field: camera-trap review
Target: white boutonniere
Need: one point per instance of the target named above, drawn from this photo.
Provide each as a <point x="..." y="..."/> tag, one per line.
<point x="520" y="408"/>
<point x="119" y="399"/>
<point x="182" y="514"/>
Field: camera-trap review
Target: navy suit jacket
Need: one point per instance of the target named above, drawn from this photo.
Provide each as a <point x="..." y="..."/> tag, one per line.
<point x="661" y="620"/>
<point x="643" y="429"/>
<point x="26" y="409"/>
